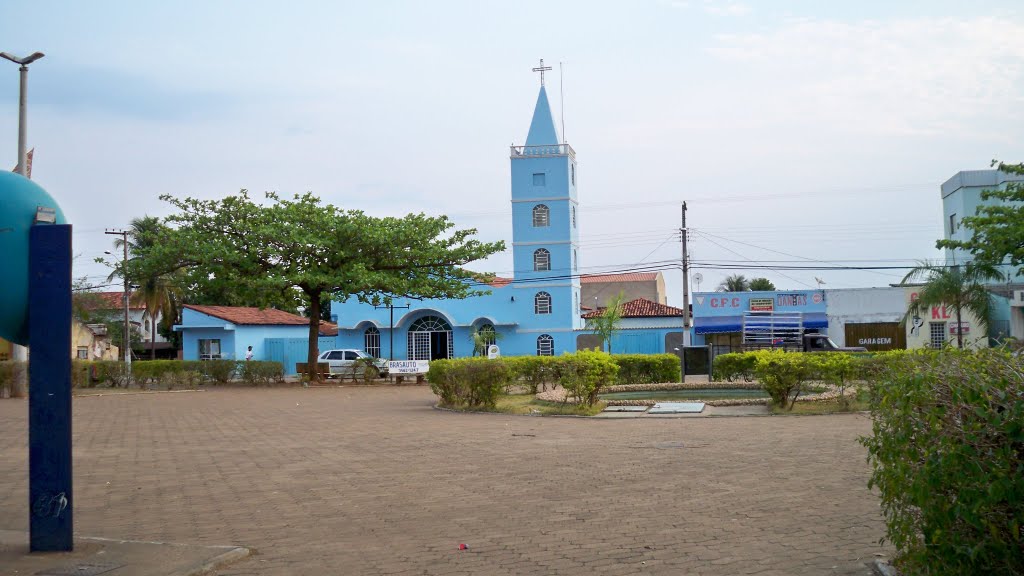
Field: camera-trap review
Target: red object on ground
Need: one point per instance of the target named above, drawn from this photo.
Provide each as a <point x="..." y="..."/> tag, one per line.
<point x="463" y="547"/>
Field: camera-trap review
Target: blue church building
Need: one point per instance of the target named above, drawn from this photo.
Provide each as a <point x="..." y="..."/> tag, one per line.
<point x="537" y="311"/>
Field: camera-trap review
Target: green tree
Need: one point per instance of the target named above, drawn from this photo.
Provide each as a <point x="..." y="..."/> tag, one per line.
<point x="734" y="283"/>
<point x="957" y="287"/>
<point x="302" y="250"/>
<point x="760" y="285"/>
<point x="997" y="230"/>
<point x="606" y="324"/>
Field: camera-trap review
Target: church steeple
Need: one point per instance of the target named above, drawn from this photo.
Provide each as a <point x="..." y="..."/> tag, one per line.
<point x="542" y="128"/>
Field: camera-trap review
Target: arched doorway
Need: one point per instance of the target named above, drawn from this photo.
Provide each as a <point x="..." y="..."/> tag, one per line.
<point x="430" y="338"/>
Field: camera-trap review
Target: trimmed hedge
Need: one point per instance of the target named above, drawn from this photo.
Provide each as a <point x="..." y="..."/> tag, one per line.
<point x="783" y="374"/>
<point x="646" y="368"/>
<point x="477" y="382"/>
<point x="172" y="374"/>
<point x="9" y="372"/>
<point x="947" y="452"/>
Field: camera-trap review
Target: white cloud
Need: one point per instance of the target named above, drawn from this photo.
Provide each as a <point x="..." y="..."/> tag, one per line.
<point x="726" y="8"/>
<point x="923" y="76"/>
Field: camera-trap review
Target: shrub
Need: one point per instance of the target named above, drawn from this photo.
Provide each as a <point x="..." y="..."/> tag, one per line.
<point x="585" y="373"/>
<point x="112" y="373"/>
<point x="947" y="452"/>
<point x="219" y="371"/>
<point x="646" y="368"/>
<point x="81" y="374"/>
<point x="259" y="373"/>
<point x="734" y="365"/>
<point x="10" y="371"/>
<point x="782" y="374"/>
<point x="469" y="382"/>
<point x="536" y="372"/>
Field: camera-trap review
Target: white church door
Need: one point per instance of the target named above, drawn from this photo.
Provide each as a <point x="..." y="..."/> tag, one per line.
<point x="430" y="338"/>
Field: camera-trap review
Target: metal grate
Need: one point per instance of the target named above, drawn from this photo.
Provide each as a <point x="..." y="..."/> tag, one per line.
<point x="541" y="216"/>
<point x="371" y="341"/>
<point x="541" y="260"/>
<point x="545" y="345"/>
<point x="773" y="330"/>
<point x="937" y="334"/>
<point x="542" y="303"/>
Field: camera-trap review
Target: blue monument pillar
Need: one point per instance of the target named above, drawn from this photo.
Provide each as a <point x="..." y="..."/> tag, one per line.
<point x="49" y="404"/>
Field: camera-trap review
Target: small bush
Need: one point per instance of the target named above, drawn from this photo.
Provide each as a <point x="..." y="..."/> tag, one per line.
<point x="535" y="372"/>
<point x="10" y="372"/>
<point x="781" y="374"/>
<point x="112" y="373"/>
<point x="735" y="365"/>
<point x="81" y="374"/>
<point x="261" y="373"/>
<point x="947" y="452"/>
<point x="219" y="371"/>
<point x="646" y="368"/>
<point x="585" y="373"/>
<point x="469" y="382"/>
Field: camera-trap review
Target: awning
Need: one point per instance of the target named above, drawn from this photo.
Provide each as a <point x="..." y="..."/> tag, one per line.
<point x="723" y="324"/>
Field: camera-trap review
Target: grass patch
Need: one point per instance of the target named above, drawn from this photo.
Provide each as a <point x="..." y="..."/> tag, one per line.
<point x="528" y="404"/>
<point x="858" y="403"/>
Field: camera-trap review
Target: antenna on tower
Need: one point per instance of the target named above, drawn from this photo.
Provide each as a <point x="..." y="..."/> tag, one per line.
<point x="819" y="281"/>
<point x="561" y="98"/>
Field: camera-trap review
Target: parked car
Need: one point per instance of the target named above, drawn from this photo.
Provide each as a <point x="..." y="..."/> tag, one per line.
<point x="352" y="363"/>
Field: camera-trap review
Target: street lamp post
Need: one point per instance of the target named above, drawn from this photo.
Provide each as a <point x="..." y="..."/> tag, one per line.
<point x="127" y="342"/>
<point x="19" y="353"/>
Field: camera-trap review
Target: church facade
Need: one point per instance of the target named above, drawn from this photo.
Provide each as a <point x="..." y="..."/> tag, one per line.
<point x="538" y="312"/>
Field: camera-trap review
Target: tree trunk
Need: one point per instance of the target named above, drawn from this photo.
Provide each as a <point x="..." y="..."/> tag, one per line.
<point x="314" y="335"/>
<point x="152" y="337"/>
<point x="959" y="325"/>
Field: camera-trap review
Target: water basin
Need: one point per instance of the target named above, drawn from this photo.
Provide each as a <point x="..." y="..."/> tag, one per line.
<point x="693" y="394"/>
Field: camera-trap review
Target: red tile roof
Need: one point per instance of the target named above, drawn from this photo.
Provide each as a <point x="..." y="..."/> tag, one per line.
<point x="499" y="282"/>
<point x="627" y="277"/>
<point x="112" y="301"/>
<point x="249" y="315"/>
<point x="641" y="308"/>
<point x="328" y="329"/>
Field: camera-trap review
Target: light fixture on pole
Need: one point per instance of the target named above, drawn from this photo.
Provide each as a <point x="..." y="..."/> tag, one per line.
<point x="20" y="353"/>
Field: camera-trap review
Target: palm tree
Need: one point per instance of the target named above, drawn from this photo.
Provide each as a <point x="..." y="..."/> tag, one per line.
<point x="761" y="285"/>
<point x="158" y="293"/>
<point x="957" y="287"/>
<point x="734" y="283"/>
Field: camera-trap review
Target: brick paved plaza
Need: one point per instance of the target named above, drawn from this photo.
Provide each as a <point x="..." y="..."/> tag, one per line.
<point x="374" y="481"/>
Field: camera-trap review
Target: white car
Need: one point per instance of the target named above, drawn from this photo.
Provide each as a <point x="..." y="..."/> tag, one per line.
<point x="344" y="363"/>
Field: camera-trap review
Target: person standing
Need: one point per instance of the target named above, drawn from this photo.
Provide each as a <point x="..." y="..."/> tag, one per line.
<point x="248" y="354"/>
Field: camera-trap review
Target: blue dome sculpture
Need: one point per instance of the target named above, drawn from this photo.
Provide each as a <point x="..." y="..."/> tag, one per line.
<point x="19" y="199"/>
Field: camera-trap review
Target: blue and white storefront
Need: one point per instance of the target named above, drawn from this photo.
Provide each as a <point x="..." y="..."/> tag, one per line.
<point x="718" y="316"/>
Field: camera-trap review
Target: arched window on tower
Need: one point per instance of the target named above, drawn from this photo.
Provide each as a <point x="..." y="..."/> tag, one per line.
<point x="541" y="216"/>
<point x="541" y="260"/>
<point x="542" y="303"/>
<point x="371" y="341"/>
<point x="545" y="345"/>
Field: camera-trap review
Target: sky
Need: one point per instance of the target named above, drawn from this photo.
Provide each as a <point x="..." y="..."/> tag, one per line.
<point x="798" y="132"/>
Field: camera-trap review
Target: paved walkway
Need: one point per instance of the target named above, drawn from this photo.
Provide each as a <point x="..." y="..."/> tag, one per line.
<point x="373" y="481"/>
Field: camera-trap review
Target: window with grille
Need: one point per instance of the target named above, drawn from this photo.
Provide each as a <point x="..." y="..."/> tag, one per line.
<point x="572" y="168"/>
<point x="541" y="216"/>
<point x="573" y="216"/>
<point x="371" y="341"/>
<point x="575" y="261"/>
<point x="541" y="260"/>
<point x="542" y="303"/>
<point x="545" y="345"/>
<point x="83" y="352"/>
<point x="937" y="333"/>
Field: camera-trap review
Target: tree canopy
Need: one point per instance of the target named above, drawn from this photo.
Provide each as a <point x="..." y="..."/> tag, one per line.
<point x="761" y="285"/>
<point x="957" y="287"/>
<point x="734" y="283"/>
<point x="298" y="249"/>
<point x="997" y="230"/>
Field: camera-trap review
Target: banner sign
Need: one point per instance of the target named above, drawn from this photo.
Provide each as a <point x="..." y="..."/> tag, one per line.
<point x="408" y="366"/>
<point x="762" y="304"/>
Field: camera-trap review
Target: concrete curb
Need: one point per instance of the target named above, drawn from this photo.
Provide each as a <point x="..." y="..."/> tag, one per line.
<point x="880" y="567"/>
<point x="232" y="555"/>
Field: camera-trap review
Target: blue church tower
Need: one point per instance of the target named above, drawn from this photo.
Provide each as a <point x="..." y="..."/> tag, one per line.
<point x="545" y="230"/>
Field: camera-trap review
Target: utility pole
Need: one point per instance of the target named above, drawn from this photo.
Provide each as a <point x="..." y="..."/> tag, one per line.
<point x="391" y="329"/>
<point x="127" y="342"/>
<point x="686" y="299"/>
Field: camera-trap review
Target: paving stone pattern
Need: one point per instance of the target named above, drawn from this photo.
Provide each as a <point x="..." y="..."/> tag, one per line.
<point x="374" y="481"/>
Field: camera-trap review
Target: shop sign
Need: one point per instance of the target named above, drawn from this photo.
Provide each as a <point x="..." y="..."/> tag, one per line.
<point x="874" y="342"/>
<point x="965" y="328"/>
<point x="762" y="304"/>
<point x="408" y="366"/>
<point x="791" y="300"/>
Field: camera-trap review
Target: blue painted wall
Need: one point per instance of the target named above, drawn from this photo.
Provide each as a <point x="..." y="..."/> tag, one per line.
<point x="723" y="311"/>
<point x="961" y="196"/>
<point x="234" y="339"/>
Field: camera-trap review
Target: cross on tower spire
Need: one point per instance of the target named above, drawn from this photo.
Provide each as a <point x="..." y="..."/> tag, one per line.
<point x="541" y="69"/>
